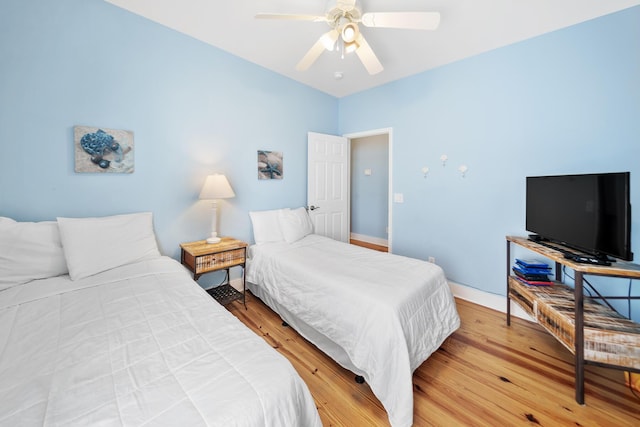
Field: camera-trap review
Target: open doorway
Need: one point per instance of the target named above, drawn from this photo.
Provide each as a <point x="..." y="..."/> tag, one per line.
<point x="370" y="189"/>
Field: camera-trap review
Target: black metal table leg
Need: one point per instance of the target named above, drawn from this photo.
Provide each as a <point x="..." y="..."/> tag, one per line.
<point x="508" y="287"/>
<point x="579" y="337"/>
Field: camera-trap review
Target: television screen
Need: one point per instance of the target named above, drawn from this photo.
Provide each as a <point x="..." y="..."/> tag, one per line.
<point x="591" y="213"/>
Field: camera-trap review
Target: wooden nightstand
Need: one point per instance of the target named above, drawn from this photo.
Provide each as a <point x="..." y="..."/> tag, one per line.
<point x="201" y="257"/>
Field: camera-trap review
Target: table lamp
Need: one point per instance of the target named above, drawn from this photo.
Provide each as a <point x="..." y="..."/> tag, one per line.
<point x="215" y="187"/>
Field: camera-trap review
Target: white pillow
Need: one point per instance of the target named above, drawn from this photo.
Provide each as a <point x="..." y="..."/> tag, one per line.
<point x="295" y="224"/>
<point x="93" y="245"/>
<point x="266" y="226"/>
<point x="29" y="251"/>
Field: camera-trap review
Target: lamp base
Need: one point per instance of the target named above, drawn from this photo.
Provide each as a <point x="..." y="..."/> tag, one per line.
<point x="212" y="240"/>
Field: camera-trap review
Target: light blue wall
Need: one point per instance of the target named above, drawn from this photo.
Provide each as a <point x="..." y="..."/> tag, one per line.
<point x="194" y="110"/>
<point x="565" y="102"/>
<point x="370" y="193"/>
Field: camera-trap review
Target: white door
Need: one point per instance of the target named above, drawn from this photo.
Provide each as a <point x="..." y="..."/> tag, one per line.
<point x="328" y="185"/>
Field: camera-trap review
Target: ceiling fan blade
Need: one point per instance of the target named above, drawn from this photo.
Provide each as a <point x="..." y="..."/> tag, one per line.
<point x="326" y="41"/>
<point x="408" y="20"/>
<point x="368" y="58"/>
<point x="291" y="17"/>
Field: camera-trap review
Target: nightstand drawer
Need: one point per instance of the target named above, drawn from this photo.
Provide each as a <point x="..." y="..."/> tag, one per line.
<point x="212" y="262"/>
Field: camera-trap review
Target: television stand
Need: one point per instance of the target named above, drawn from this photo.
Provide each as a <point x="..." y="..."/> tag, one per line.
<point x="593" y="332"/>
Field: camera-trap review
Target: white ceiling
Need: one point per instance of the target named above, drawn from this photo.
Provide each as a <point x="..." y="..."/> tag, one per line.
<point x="467" y="28"/>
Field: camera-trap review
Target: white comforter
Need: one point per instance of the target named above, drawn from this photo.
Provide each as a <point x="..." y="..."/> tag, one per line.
<point x="377" y="314"/>
<point x="138" y="345"/>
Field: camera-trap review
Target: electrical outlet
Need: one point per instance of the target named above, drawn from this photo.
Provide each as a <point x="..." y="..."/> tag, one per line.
<point x="432" y="260"/>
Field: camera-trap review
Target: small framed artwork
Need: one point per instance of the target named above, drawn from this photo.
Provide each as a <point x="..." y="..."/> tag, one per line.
<point x="270" y="164"/>
<point x="101" y="150"/>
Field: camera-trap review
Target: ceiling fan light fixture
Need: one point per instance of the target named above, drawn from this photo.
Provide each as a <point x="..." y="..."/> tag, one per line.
<point x="350" y="32"/>
<point x="344" y="17"/>
<point x="351" y="47"/>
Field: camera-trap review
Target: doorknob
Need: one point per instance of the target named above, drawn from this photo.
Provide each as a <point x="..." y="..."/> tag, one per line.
<point x="313" y="208"/>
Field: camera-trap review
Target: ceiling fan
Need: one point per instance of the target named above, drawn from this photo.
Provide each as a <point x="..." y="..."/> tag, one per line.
<point x="344" y="18"/>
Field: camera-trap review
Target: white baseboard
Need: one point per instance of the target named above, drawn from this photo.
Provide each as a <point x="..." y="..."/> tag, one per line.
<point x="485" y="299"/>
<point x="369" y="239"/>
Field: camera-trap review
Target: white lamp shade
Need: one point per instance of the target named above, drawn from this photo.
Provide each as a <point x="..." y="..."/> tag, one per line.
<point x="216" y="187"/>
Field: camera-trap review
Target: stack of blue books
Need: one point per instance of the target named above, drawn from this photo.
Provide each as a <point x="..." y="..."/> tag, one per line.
<point x="532" y="272"/>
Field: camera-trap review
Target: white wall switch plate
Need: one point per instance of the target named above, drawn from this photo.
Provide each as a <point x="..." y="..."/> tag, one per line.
<point x="398" y="197"/>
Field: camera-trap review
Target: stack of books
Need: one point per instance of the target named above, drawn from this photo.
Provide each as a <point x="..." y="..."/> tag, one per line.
<point x="532" y="272"/>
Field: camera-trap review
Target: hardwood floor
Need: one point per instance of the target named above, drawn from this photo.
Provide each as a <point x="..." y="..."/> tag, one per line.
<point x="485" y="374"/>
<point x="369" y="245"/>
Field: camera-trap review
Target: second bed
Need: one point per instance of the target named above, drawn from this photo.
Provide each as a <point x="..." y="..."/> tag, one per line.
<point x="377" y="314"/>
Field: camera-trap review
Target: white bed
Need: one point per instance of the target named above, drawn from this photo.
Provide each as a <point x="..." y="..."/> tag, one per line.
<point x="379" y="315"/>
<point x="137" y="344"/>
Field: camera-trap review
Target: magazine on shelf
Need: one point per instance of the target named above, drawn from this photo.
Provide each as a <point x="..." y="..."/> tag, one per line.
<point x="532" y="263"/>
<point x="530" y="271"/>
<point x="534" y="282"/>
<point x="534" y="277"/>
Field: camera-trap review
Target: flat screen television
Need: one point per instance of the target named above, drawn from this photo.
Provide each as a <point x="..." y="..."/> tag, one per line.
<point x="590" y="213"/>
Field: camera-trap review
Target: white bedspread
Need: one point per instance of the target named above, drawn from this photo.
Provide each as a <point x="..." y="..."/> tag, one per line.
<point x="138" y="345"/>
<point x="379" y="315"/>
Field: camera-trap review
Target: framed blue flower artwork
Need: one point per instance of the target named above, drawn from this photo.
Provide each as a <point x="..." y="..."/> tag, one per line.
<point x="101" y="150"/>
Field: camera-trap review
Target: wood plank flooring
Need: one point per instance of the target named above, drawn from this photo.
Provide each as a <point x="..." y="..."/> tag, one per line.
<point x="485" y="374"/>
<point x="369" y="245"/>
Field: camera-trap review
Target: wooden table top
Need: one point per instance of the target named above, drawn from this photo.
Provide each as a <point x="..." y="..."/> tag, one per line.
<point x="201" y="247"/>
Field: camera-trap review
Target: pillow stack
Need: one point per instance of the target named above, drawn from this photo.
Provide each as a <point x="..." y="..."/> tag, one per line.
<point x="280" y="225"/>
<point x="94" y="245"/>
<point x="80" y="247"/>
